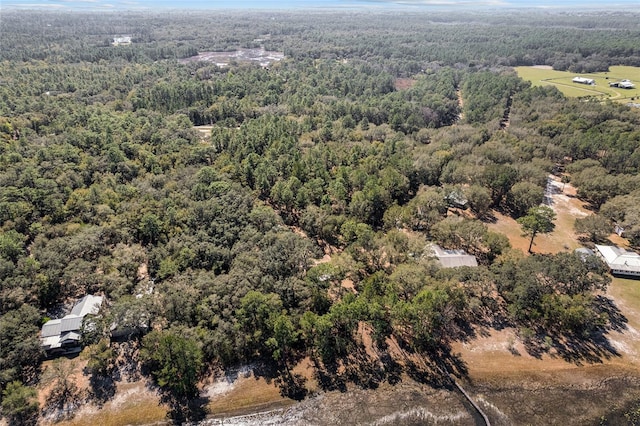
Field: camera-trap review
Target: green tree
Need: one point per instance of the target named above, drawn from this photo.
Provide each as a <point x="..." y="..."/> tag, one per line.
<point x="595" y="226"/>
<point x="100" y="358"/>
<point x="499" y="178"/>
<point x="256" y="317"/>
<point x="522" y="196"/>
<point x="284" y="337"/>
<point x="11" y="245"/>
<point x="175" y="361"/>
<point x="538" y="220"/>
<point x="20" y="404"/>
<point x="428" y="320"/>
<point x="100" y="365"/>
<point x="20" y="350"/>
<point x="149" y="229"/>
<point x="64" y="397"/>
<point x="479" y="199"/>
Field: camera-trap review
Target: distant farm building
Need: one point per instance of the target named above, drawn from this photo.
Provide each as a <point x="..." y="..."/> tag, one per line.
<point x="453" y="258"/>
<point x="624" y="84"/>
<point x="620" y="261"/>
<point x="121" y="41"/>
<point x="582" y="80"/>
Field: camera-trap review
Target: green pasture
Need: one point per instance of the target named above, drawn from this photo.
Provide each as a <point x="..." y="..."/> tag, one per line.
<point x="563" y="81"/>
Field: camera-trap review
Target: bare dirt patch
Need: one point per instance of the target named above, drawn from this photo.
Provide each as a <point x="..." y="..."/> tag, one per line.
<point x="404" y="83"/>
<point x="242" y="392"/>
<point x="133" y="404"/>
<point x="542" y="67"/>
<point x="224" y="59"/>
<point x="205" y="131"/>
<point x="403" y="404"/>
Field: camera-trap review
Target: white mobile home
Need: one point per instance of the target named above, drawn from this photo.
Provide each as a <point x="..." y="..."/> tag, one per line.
<point x="582" y="80"/>
<point x="620" y="261"/>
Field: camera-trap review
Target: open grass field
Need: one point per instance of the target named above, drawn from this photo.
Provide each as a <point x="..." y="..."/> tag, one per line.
<point x="541" y="76"/>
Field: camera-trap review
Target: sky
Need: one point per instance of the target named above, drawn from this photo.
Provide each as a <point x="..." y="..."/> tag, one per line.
<point x="116" y="5"/>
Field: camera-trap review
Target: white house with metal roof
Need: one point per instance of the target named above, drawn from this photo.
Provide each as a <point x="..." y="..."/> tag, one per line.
<point x="619" y="260"/>
<point x="62" y="336"/>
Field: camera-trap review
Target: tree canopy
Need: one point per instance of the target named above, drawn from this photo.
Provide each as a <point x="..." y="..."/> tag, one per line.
<point x="245" y="213"/>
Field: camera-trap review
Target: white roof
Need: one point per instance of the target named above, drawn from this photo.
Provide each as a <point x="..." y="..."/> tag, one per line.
<point x="87" y="305"/>
<point x="51" y="342"/>
<point x="620" y="259"/>
<point x="453" y="258"/>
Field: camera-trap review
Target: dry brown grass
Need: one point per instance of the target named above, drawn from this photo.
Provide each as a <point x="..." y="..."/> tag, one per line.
<point x="404" y="83"/>
<point x="133" y="404"/>
<point x="567" y="208"/>
<point x="247" y="394"/>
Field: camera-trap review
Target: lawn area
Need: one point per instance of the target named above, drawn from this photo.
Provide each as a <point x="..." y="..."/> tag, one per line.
<point x="626" y="292"/>
<point x="539" y="76"/>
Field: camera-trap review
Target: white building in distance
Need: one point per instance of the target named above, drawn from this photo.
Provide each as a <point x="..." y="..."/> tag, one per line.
<point x="583" y="80"/>
<point x="121" y="41"/>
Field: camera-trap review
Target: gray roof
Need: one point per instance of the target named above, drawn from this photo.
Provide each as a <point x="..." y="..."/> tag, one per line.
<point x="51" y="328"/>
<point x="70" y="336"/>
<point x="71" y="322"/>
<point x="453" y="258"/>
<point x="67" y="329"/>
<point x="87" y="305"/>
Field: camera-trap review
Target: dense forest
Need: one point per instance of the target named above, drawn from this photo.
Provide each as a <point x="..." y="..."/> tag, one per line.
<point x="235" y="246"/>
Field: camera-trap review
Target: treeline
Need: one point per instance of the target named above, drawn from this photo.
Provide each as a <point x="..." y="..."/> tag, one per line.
<point x="582" y="42"/>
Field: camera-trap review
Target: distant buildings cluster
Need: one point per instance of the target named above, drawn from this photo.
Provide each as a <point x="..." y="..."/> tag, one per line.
<point x="622" y="84"/>
<point x="121" y="41"/>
